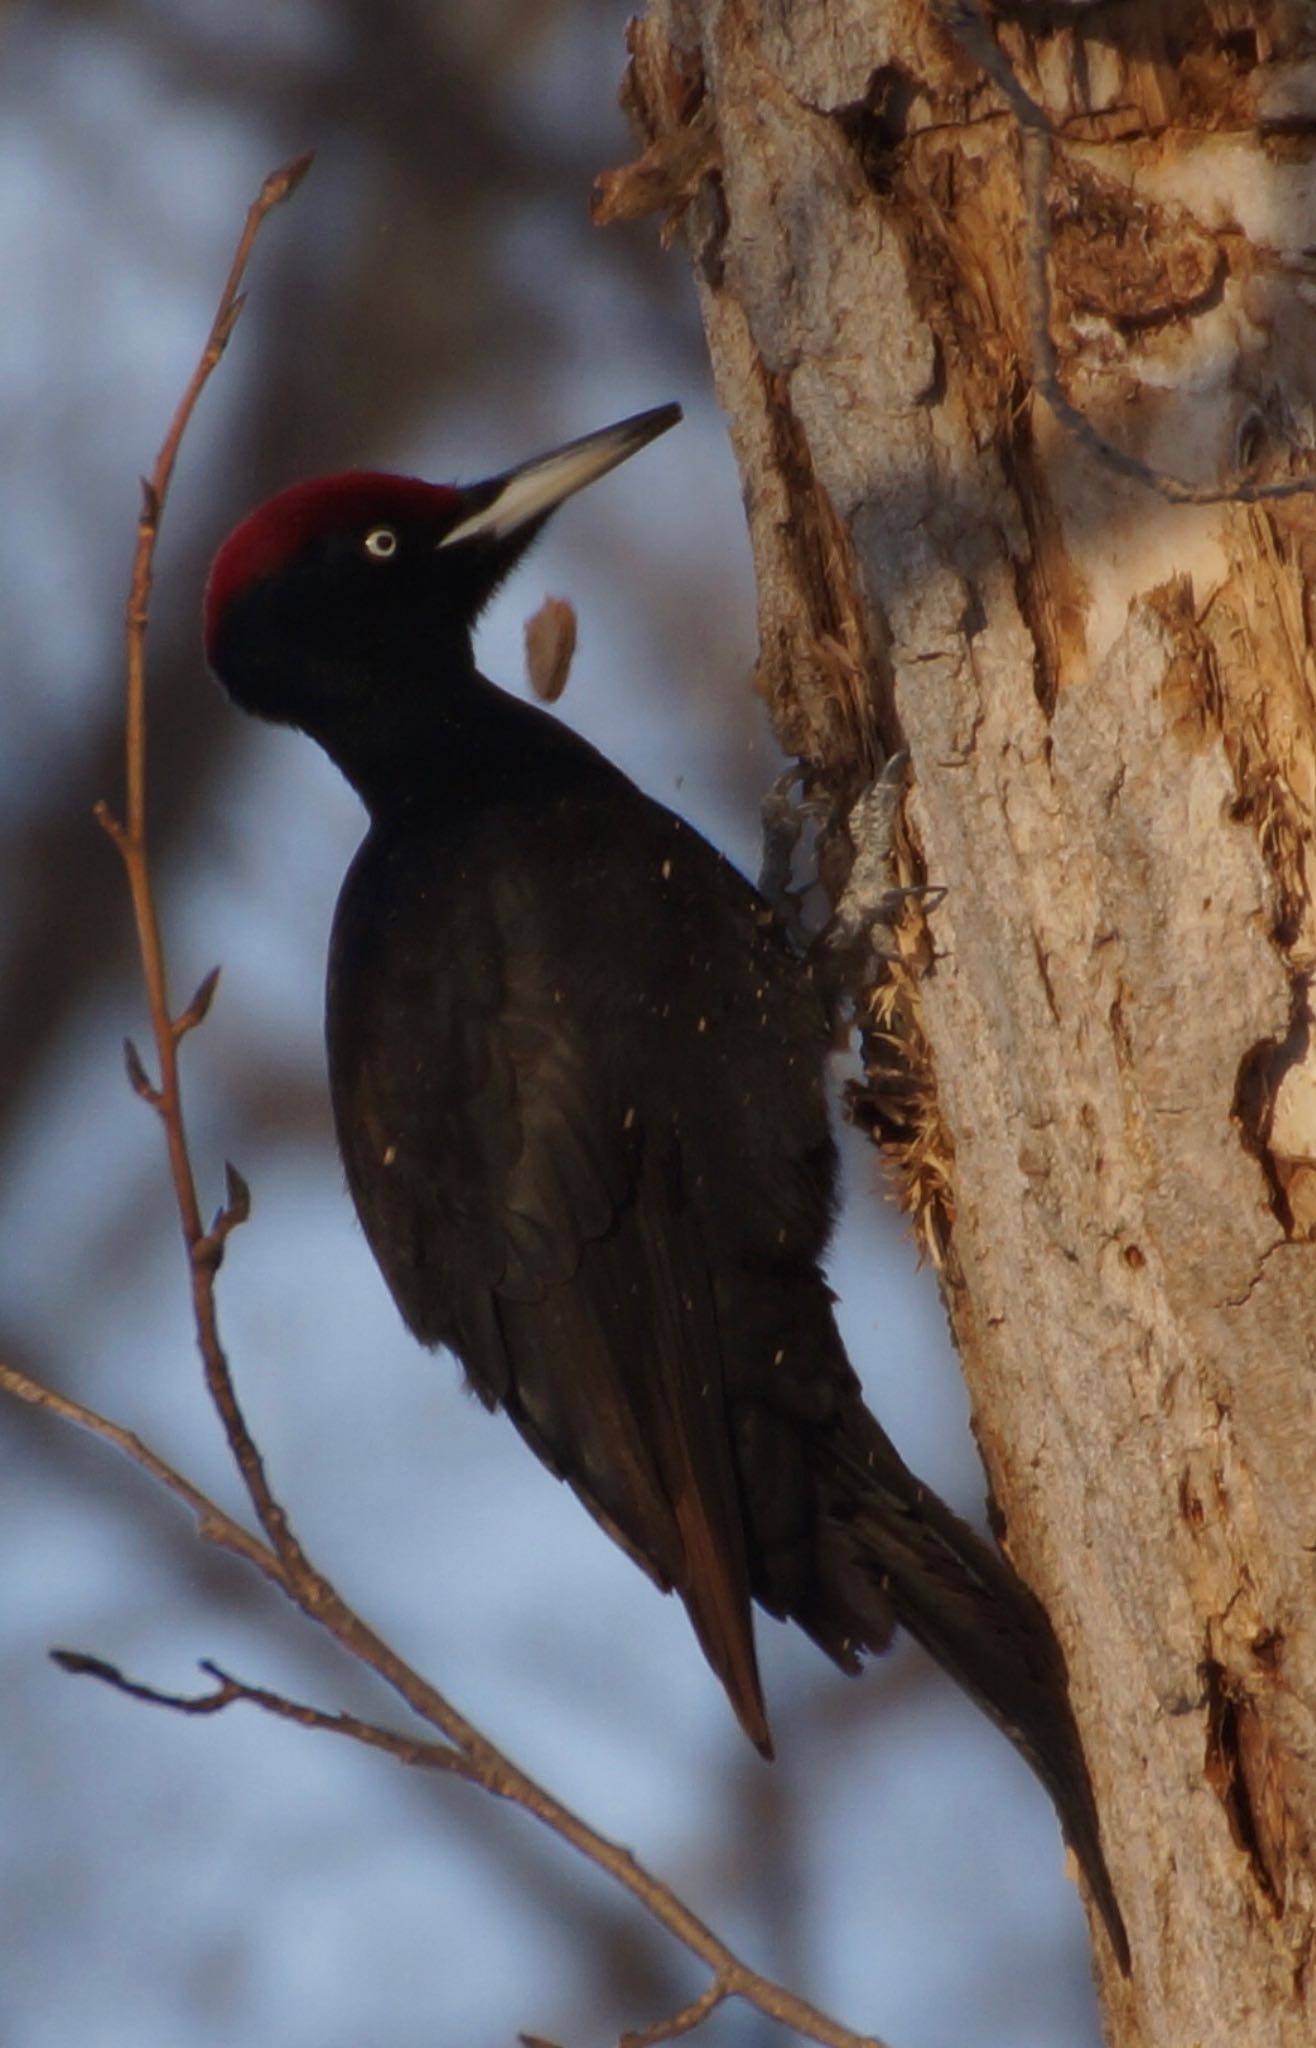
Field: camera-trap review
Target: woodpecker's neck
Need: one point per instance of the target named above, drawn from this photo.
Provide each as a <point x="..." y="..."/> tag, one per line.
<point x="395" y="700"/>
<point x="451" y="737"/>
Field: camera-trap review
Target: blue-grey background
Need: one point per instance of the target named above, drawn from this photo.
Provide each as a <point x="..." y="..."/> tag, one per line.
<point x="434" y="300"/>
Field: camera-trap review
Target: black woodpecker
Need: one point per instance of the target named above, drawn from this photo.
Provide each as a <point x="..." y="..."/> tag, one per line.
<point x="578" y="1082"/>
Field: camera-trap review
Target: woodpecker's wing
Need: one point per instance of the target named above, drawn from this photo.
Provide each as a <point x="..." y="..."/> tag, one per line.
<point x="614" y="1376"/>
<point x="526" y="1213"/>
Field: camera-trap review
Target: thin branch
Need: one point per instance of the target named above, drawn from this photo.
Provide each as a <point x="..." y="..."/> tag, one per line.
<point x="129" y="834"/>
<point x="213" y="1525"/>
<point x="429" y="1756"/>
<point x="205" y="1248"/>
<point x="81" y="1664"/>
<point x="964" y="21"/>
<point x="683" y="2022"/>
<point x="472" y="1755"/>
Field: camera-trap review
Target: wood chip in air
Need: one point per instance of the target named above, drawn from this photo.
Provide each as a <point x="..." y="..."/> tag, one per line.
<point x="550" y="642"/>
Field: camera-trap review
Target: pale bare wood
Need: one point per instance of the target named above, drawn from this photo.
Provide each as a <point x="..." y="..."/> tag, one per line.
<point x="1108" y="701"/>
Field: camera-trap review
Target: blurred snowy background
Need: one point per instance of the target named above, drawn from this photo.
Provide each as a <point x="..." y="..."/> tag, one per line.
<point x="433" y="300"/>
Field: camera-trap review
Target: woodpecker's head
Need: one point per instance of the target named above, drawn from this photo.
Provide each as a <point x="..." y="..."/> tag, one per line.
<point x="353" y="586"/>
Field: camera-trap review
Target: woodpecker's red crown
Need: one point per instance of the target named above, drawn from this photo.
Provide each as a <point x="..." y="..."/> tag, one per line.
<point x="278" y="530"/>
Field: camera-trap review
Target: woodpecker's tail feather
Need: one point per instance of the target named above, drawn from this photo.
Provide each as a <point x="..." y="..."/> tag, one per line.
<point x="893" y="1548"/>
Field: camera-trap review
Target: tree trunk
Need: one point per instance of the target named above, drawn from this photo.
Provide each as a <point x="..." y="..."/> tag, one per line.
<point x="1098" y="1081"/>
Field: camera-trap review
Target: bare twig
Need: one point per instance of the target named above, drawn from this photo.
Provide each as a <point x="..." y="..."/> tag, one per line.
<point x="430" y="1756"/>
<point x="464" y="1751"/>
<point x="82" y="1665"/>
<point x="469" y="1754"/>
<point x="129" y="833"/>
<point x="683" y="2022"/>
<point x="212" y="1523"/>
<point x="963" y="19"/>
<point x="205" y="1247"/>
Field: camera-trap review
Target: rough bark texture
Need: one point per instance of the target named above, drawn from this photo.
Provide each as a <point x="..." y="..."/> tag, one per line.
<point x="1108" y="701"/>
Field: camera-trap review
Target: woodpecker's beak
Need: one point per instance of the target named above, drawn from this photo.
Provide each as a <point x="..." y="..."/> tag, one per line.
<point x="522" y="497"/>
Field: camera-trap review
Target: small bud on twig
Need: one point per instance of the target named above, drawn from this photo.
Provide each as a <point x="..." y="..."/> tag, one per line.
<point x="111" y="826"/>
<point x="138" y="1079"/>
<point x="82" y="1664"/>
<point x="208" y="1251"/>
<point x="237" y="1197"/>
<point x="281" y="184"/>
<point x="199" y="1008"/>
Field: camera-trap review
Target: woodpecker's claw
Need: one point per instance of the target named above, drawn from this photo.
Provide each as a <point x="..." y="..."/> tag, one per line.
<point x="860" y="934"/>
<point x="864" y="923"/>
<point x="783" y="826"/>
<point x="784" y="821"/>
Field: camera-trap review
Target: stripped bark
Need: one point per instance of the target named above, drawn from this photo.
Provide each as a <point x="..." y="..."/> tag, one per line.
<point x="1104" y="1103"/>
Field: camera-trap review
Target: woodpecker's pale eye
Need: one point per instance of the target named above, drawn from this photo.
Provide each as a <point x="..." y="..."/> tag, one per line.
<point x="381" y="542"/>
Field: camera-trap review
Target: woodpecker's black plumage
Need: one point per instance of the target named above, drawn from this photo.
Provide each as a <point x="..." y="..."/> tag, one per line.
<point x="578" y="1085"/>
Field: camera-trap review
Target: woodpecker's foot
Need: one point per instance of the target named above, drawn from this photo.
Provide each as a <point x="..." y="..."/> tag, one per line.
<point x="861" y="936"/>
<point x="784" y="822"/>
<point x="850" y="949"/>
<point x="872" y="900"/>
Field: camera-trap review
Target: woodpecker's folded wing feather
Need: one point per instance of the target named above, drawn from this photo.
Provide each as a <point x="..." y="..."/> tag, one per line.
<point x="525" y="1215"/>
